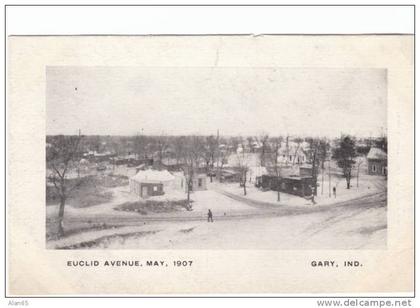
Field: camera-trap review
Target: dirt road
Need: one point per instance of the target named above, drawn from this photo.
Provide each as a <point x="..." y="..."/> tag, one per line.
<point x="360" y="223"/>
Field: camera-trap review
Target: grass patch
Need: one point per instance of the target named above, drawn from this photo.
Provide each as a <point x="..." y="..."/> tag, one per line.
<point x="153" y="206"/>
<point x="187" y="230"/>
<point x="111" y="181"/>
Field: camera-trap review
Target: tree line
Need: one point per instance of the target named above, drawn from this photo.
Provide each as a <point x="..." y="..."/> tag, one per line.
<point x="63" y="153"/>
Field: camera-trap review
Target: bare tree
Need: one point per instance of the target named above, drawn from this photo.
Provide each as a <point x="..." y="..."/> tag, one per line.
<point x="222" y="156"/>
<point x="192" y="156"/>
<point x="95" y="142"/>
<point x="161" y="146"/>
<point x="140" y="146"/>
<point x="298" y="142"/>
<point x="116" y="146"/>
<point x="287" y="150"/>
<point x="234" y="143"/>
<point x="62" y="156"/>
<point x="359" y="162"/>
<point x="250" y="143"/>
<point x="313" y="154"/>
<point x="178" y="144"/>
<point x="324" y="148"/>
<point x="264" y="147"/>
<point x="243" y="166"/>
<point x="277" y="167"/>
<point x="210" y="153"/>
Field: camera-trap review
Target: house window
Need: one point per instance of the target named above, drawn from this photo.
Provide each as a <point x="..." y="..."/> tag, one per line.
<point x="200" y="182"/>
<point x="155" y="188"/>
<point x="383" y="171"/>
<point x="374" y="168"/>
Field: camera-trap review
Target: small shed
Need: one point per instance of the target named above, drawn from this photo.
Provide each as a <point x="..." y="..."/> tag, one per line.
<point x="377" y="162"/>
<point x="295" y="185"/>
<point x="230" y="176"/>
<point x="179" y="183"/>
<point x="199" y="182"/>
<point x="305" y="170"/>
<point x="298" y="185"/>
<point x="149" y="183"/>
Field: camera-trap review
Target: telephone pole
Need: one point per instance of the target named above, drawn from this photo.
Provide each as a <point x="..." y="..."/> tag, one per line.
<point x="78" y="164"/>
<point x="218" y="156"/>
<point x="314" y="172"/>
<point x="329" y="178"/>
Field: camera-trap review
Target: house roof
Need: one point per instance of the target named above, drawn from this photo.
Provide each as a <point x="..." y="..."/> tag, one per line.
<point x="297" y="178"/>
<point x="291" y="148"/>
<point x="230" y="172"/>
<point x="377" y="153"/>
<point x="153" y="176"/>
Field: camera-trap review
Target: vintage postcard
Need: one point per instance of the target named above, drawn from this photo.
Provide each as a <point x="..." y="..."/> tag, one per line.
<point x="274" y="164"/>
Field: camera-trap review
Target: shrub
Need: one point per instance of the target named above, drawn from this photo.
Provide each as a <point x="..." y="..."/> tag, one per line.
<point x="153" y="206"/>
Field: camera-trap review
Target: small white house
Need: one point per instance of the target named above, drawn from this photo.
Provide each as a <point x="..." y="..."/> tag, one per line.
<point x="377" y="162"/>
<point x="149" y="182"/>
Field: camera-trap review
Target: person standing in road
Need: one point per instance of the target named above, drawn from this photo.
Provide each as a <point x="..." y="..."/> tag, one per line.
<point x="209" y="216"/>
<point x="335" y="192"/>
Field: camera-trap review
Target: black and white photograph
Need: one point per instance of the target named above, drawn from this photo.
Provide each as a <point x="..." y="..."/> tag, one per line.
<point x="216" y="158"/>
<point x="268" y="154"/>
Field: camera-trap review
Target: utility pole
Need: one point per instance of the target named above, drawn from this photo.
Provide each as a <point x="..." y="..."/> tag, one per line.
<point x="358" y="168"/>
<point x="358" y="176"/>
<point x="329" y="178"/>
<point x="276" y="166"/>
<point x="78" y="165"/>
<point x="217" y="150"/>
<point x="217" y="156"/>
<point x="314" y="172"/>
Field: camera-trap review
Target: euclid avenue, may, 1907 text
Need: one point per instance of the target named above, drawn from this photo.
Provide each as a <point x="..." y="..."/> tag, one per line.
<point x="129" y="263"/>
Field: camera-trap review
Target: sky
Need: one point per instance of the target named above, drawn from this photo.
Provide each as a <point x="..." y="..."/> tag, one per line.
<point x="201" y="100"/>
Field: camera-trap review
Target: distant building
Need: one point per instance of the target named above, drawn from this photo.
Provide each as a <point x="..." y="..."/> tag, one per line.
<point x="172" y="166"/>
<point x="290" y="170"/>
<point x="377" y="162"/>
<point x="291" y="153"/>
<point x="228" y="175"/>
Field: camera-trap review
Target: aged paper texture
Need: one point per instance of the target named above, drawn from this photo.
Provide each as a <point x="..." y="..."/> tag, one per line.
<point x="167" y="165"/>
